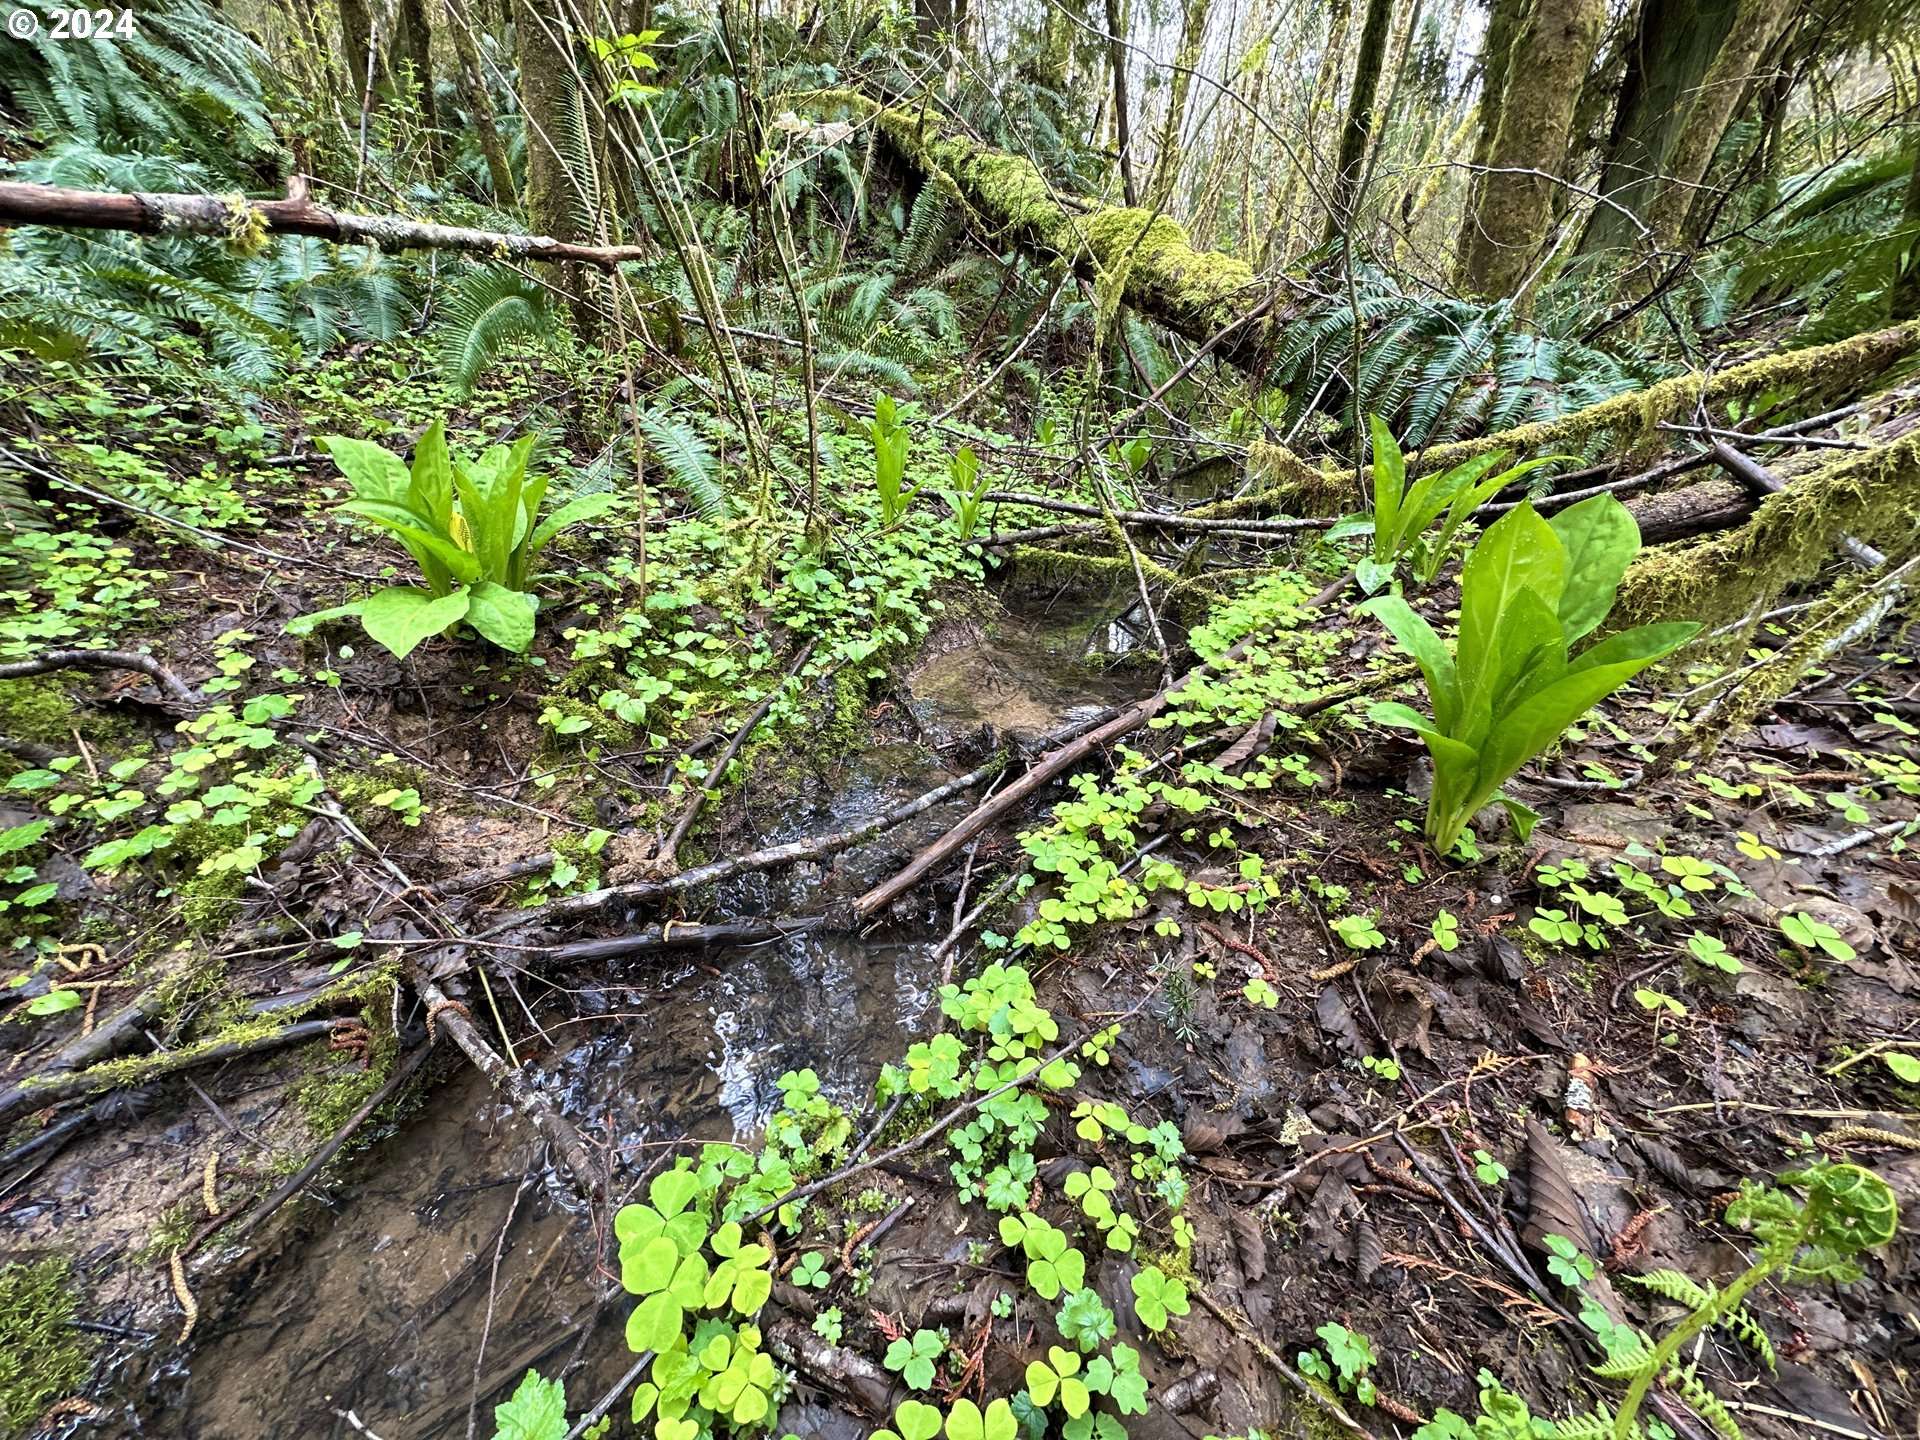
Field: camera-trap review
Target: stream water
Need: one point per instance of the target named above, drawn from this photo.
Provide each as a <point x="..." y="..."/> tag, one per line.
<point x="379" y="1306"/>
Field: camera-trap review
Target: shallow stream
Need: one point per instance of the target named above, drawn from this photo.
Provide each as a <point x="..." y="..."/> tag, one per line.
<point x="438" y="1236"/>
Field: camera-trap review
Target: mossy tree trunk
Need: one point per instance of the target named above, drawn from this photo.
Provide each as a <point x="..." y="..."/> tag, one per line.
<point x="1506" y="227"/>
<point x="414" y="47"/>
<point x="1728" y="87"/>
<point x="1195" y="293"/>
<point x="475" y="95"/>
<point x="1675" y="43"/>
<point x="1167" y="155"/>
<point x="1122" y="122"/>
<point x="361" y="53"/>
<point x="554" y="197"/>
<point x="1357" y="133"/>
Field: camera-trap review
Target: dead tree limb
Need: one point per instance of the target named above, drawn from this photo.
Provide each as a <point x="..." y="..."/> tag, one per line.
<point x="665" y="859"/>
<point x="236" y="216"/>
<point x="50" y="660"/>
<point x="1759" y="478"/>
<point x="39" y="1091"/>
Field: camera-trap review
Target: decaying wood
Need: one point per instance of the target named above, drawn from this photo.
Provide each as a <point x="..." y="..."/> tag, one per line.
<point x="50" y="660"/>
<point x="43" y="1090"/>
<point x="1763" y="481"/>
<point x="512" y="1083"/>
<point x="237" y="217"/>
<point x="676" y="935"/>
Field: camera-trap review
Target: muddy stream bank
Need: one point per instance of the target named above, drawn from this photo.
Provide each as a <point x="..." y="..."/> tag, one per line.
<point x="444" y="1231"/>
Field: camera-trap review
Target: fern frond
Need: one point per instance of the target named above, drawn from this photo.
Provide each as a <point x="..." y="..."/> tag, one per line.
<point x="688" y="458"/>
<point x="489" y="308"/>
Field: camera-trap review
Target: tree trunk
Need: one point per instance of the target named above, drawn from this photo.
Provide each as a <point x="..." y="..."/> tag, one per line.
<point x="1357" y="133"/>
<point x="475" y="95"/>
<point x="1727" y="86"/>
<point x="1674" y="45"/>
<point x="414" y="47"/>
<point x="361" y="53"/>
<point x="1508" y="222"/>
<point x="1122" y="132"/>
<point x="554" y="194"/>
<point x="934" y="17"/>
<point x="1166" y="160"/>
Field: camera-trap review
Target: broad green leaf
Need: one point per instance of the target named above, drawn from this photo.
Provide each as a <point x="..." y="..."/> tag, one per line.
<point x="1601" y="539"/>
<point x="304" y="624"/>
<point x="421" y="542"/>
<point x="1470" y="500"/>
<point x="1518" y="552"/>
<point x="1524" y="816"/>
<point x="476" y="512"/>
<point x="1418" y="639"/>
<point x="1373" y="574"/>
<point x="648" y="1269"/>
<point x="504" y="616"/>
<point x="1389" y="482"/>
<point x="1538" y="721"/>
<point x="537" y="1411"/>
<point x="376" y="473"/>
<point x="1434" y="493"/>
<point x="672" y="1191"/>
<point x="430" y="492"/>
<point x="1531" y="654"/>
<point x="400" y="617"/>
<point x="917" y="1420"/>
<point x="1644" y="643"/>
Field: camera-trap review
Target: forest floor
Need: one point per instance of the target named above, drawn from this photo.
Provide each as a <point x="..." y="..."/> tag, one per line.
<point x="1677" y="983"/>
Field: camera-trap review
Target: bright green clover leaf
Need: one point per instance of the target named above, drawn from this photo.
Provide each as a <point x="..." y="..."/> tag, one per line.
<point x="1118" y="1377"/>
<point x="966" y="1421"/>
<point x="1711" y="950"/>
<point x="1904" y="1067"/>
<point x="1358" y="932"/>
<point x="1156" y="1296"/>
<point x="1055" y="1376"/>
<point x="913" y="1359"/>
<point x="1811" y="934"/>
<point x="1565" y="1262"/>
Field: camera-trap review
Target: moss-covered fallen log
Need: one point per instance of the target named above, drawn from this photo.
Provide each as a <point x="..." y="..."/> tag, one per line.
<point x="1872" y="496"/>
<point x="1198" y="294"/>
<point x="1628" y="423"/>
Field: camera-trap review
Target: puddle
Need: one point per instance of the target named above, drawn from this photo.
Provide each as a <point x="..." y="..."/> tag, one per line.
<point x="378" y="1308"/>
<point x="1030" y="672"/>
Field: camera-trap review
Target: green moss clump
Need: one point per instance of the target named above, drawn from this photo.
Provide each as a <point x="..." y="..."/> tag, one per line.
<point x="37" y="709"/>
<point x="335" y="1087"/>
<point x="43" y="1359"/>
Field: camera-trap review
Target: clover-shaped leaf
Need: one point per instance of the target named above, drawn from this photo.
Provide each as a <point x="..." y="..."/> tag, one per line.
<point x="1156" y="1296"/>
<point x="1118" y="1377"/>
<point x="913" y="1358"/>
<point x="1054" y="1376"/>
<point x="966" y="1421"/>
<point x="655" y="1322"/>
<point x="1093" y="1427"/>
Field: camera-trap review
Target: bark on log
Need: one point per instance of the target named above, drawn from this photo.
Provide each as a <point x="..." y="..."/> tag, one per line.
<point x="167" y="214"/>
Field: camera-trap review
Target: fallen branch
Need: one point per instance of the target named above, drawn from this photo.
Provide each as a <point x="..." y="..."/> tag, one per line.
<point x="50" y="660"/>
<point x="1164" y="519"/>
<point x="1759" y="478"/>
<point x="1048" y="767"/>
<point x="511" y="1083"/>
<point x="816" y="847"/>
<point x="295" y="1182"/>
<point x="43" y="1090"/>
<point x="674" y="935"/>
<point x="664" y="859"/>
<point x="234" y="217"/>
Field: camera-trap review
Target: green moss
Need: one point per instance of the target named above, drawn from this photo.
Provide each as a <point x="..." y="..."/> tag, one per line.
<point x="43" y="1359"/>
<point x="1873" y="496"/>
<point x="37" y="709"/>
<point x="1630" y="419"/>
<point x="336" y="1086"/>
